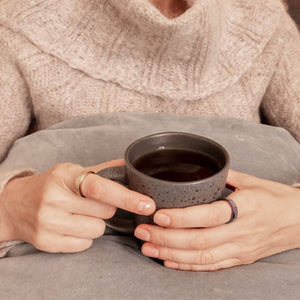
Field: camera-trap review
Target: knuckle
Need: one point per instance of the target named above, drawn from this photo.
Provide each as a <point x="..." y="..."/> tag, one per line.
<point x="172" y="255"/>
<point x="182" y="217"/>
<point x="162" y="240"/>
<point x="65" y="166"/>
<point x="246" y="261"/>
<point x="248" y="258"/>
<point x="49" y="220"/>
<point x="127" y="201"/>
<point x="84" y="245"/>
<point x="109" y="212"/>
<point x="215" y="267"/>
<point x="204" y="258"/>
<point x="244" y="195"/>
<point x="42" y="243"/>
<point x="46" y="190"/>
<point x="94" y="190"/>
<point x="100" y="228"/>
<point x="194" y="268"/>
<point x="188" y="268"/>
<point x="47" y="195"/>
<point x="182" y="221"/>
<point x="185" y="267"/>
<point x="57" y="169"/>
<point x="199" y="242"/>
<point x="75" y="246"/>
<point x="40" y="218"/>
<point x="213" y="218"/>
<point x="46" y="217"/>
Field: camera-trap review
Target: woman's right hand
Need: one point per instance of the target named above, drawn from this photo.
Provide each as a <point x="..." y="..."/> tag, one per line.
<point x="46" y="211"/>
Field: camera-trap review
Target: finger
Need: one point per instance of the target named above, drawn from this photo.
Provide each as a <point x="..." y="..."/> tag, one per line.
<point x="239" y="180"/>
<point x="204" y="215"/>
<point x="103" y="190"/>
<point x="69" y="244"/>
<point x="194" y="257"/>
<point x="68" y="172"/>
<point x="107" y="164"/>
<point x="190" y="239"/>
<point x="62" y="244"/>
<point x="107" y="191"/>
<point x="243" y="181"/>
<point x="85" y="206"/>
<point x="82" y="227"/>
<point x="212" y="267"/>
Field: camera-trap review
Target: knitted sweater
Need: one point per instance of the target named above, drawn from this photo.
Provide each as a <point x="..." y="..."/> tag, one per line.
<point x="63" y="59"/>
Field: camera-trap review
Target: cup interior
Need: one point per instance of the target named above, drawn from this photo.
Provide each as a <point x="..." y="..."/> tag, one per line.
<point x="176" y="140"/>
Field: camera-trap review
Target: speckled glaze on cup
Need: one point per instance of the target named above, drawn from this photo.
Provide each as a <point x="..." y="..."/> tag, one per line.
<point x="170" y="194"/>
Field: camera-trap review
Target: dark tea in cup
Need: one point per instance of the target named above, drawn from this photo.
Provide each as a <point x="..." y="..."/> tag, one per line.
<point x="179" y="165"/>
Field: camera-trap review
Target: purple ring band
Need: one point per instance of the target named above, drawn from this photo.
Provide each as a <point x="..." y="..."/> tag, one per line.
<point x="234" y="209"/>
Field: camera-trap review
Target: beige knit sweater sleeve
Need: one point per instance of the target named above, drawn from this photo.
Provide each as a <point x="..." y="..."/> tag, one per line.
<point x="281" y="104"/>
<point x="15" y="105"/>
<point x="15" y="109"/>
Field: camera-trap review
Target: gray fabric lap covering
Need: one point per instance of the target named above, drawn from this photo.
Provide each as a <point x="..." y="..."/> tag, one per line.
<point x="114" y="268"/>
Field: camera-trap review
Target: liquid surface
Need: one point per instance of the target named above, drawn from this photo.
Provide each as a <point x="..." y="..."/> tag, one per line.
<point x="177" y="165"/>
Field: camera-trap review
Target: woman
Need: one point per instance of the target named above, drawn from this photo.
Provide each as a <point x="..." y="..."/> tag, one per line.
<point x="62" y="59"/>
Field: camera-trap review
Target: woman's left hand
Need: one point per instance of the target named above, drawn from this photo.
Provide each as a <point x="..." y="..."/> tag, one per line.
<point x="197" y="238"/>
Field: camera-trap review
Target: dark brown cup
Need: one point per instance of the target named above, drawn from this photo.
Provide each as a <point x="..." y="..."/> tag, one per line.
<point x="175" y="169"/>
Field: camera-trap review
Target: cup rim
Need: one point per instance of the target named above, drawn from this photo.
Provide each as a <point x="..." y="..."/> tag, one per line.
<point x="128" y="164"/>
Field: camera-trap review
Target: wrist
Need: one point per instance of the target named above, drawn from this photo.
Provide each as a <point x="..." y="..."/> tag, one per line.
<point x="295" y="208"/>
<point x="6" y="226"/>
<point x="298" y="210"/>
<point x="10" y="194"/>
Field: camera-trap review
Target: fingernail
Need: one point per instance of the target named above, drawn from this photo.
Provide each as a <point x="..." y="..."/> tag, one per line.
<point x="145" y="207"/>
<point x="171" y="265"/>
<point x="142" y="234"/>
<point x="150" y="251"/>
<point x="162" y="219"/>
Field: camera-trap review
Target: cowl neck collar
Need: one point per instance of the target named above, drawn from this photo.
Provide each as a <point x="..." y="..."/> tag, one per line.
<point x="148" y="17"/>
<point x="131" y="43"/>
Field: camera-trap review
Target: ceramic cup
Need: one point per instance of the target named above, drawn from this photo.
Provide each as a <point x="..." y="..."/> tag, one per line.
<point x="175" y="169"/>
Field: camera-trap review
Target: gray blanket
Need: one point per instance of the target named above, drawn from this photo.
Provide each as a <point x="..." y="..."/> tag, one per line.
<point x="114" y="267"/>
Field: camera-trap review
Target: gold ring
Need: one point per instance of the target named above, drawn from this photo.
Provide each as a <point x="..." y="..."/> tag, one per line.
<point x="79" y="180"/>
